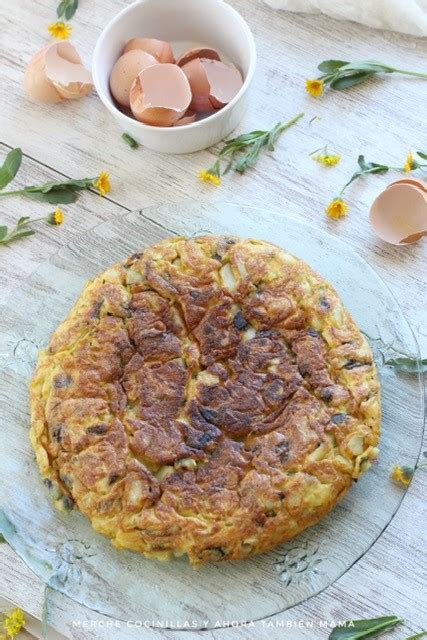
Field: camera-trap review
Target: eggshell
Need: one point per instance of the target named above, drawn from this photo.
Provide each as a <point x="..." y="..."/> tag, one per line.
<point x="200" y="87"/>
<point x="225" y="82"/>
<point x="188" y="118"/>
<point x="124" y="72"/>
<point x="213" y="83"/>
<point x="160" y="95"/>
<point x="399" y="214"/>
<point x="36" y="83"/>
<point x="56" y="73"/>
<point x="191" y="54"/>
<point x="421" y="184"/>
<point x="161" y="50"/>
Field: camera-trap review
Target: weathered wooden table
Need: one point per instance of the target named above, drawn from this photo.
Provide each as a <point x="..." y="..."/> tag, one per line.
<point x="383" y="120"/>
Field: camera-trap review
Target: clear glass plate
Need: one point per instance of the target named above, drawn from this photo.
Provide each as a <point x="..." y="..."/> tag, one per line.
<point x="63" y="549"/>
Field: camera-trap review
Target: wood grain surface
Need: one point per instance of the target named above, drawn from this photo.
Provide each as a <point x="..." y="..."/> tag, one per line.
<point x="382" y="120"/>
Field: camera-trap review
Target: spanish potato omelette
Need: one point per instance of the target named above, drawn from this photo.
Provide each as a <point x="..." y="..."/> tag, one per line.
<point x="208" y="396"/>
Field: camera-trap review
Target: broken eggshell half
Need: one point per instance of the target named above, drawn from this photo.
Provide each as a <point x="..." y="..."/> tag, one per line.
<point x="124" y="72"/>
<point x="213" y="83"/>
<point x="399" y="214"/>
<point x="56" y="73"/>
<point x="201" y="52"/>
<point x="416" y="182"/>
<point x="160" y="95"/>
<point x="161" y="50"/>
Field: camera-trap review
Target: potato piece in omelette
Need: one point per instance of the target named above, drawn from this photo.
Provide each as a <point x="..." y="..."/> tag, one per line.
<point x="208" y="396"/>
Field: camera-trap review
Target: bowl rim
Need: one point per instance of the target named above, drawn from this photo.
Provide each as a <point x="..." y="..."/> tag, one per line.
<point x="107" y="102"/>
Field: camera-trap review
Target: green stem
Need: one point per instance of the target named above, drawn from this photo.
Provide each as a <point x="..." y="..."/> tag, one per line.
<point x="12" y="193"/>
<point x="418" y="74"/>
<point x="362" y="173"/>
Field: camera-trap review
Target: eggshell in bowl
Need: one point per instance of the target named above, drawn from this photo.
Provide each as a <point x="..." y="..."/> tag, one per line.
<point x="161" y="50"/>
<point x="56" y="73"/>
<point x="213" y="83"/>
<point x="225" y="82"/>
<point x="200" y="87"/>
<point x="188" y="118"/>
<point x="399" y="214"/>
<point x="160" y="95"/>
<point x="191" y="54"/>
<point x="124" y="72"/>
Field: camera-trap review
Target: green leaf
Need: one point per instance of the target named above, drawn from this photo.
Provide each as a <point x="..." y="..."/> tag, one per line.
<point x="60" y="10"/>
<point x="329" y="66"/>
<point x="422" y="634"/>
<point x="10" y="167"/>
<point x="67" y="8"/>
<point x="22" y="234"/>
<point x="372" y="167"/>
<point x="71" y="9"/>
<point x="359" y="629"/>
<point x="53" y="197"/>
<point x="2" y="538"/>
<point x="130" y="141"/>
<point x="422" y="155"/>
<point x="408" y="365"/>
<point x="345" y="82"/>
<point x="3" y="232"/>
<point x="371" y="66"/>
<point x="22" y="221"/>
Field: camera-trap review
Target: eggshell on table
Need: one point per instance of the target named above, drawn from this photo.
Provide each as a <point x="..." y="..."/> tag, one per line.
<point x="213" y="83"/>
<point x="160" y="95"/>
<point x="399" y="214"/>
<point x="56" y="73"/>
<point x="124" y="72"/>
<point x="161" y="50"/>
<point x="421" y="184"/>
<point x="199" y="52"/>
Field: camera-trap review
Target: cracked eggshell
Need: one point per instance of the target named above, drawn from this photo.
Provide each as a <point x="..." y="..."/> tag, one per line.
<point x="421" y="184"/>
<point x="124" y="72"/>
<point x="160" y="95"/>
<point x="213" y="83"/>
<point x="161" y="50"/>
<point x="188" y="118"/>
<point x="56" y="73"/>
<point x="399" y="214"/>
<point x="191" y="54"/>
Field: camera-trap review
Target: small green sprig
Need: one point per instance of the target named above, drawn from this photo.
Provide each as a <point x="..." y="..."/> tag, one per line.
<point x="22" y="229"/>
<point x="341" y="74"/>
<point x="54" y="191"/>
<point x="243" y="152"/>
<point x="130" y="141"/>
<point x="367" y="168"/>
<point x="67" y="8"/>
<point x="408" y="365"/>
<point x="359" y="629"/>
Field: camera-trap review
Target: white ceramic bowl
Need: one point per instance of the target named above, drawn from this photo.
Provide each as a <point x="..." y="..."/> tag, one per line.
<point x="212" y="23"/>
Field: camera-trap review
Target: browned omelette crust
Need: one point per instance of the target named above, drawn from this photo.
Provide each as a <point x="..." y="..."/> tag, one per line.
<point x="209" y="396"/>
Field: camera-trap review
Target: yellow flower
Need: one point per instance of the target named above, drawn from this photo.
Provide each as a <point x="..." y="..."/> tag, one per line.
<point x="13" y="622"/>
<point x="56" y="217"/>
<point x="59" y="30"/>
<point x="314" y="87"/>
<point x="336" y="209"/>
<point x="207" y="176"/>
<point x="402" y="475"/>
<point x="327" y="160"/>
<point x="408" y="166"/>
<point x="102" y="183"/>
